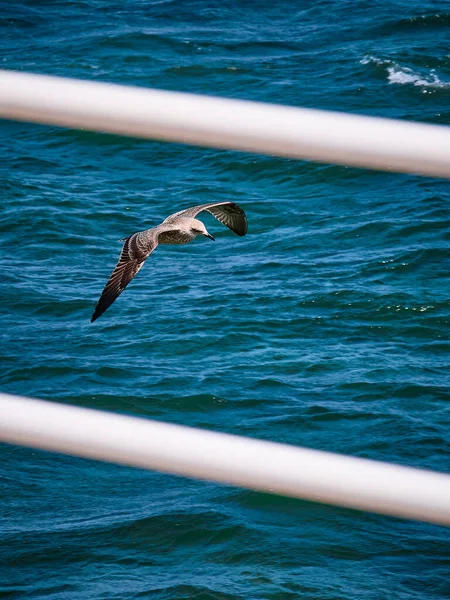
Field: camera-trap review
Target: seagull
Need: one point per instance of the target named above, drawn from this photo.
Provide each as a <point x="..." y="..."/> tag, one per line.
<point x="180" y="228"/>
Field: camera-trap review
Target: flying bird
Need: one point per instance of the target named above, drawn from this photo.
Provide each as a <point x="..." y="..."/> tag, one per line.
<point x="179" y="228"/>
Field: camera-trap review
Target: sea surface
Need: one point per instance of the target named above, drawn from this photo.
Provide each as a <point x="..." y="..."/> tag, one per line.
<point x="326" y="326"/>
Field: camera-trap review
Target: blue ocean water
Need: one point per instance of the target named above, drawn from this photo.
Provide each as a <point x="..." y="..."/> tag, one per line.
<point x="326" y="326"/>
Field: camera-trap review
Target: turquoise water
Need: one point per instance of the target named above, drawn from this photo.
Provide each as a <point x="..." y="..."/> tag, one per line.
<point x="326" y="326"/>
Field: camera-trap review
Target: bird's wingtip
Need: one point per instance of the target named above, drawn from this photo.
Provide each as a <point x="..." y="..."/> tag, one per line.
<point x="241" y="231"/>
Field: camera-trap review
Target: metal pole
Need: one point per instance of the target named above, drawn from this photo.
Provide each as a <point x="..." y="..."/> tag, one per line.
<point x="224" y="123"/>
<point x="229" y="459"/>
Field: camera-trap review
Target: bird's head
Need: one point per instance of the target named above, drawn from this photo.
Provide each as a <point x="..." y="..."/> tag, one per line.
<point x="198" y="228"/>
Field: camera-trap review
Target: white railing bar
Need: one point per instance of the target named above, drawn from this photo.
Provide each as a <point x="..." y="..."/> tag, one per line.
<point x="250" y="463"/>
<point x="324" y="136"/>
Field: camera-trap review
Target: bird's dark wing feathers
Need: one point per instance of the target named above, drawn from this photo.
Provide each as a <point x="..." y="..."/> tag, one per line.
<point x="228" y="213"/>
<point x="136" y="249"/>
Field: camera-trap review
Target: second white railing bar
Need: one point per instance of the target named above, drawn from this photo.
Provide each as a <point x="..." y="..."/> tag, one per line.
<point x="340" y="138"/>
<point x="250" y="463"/>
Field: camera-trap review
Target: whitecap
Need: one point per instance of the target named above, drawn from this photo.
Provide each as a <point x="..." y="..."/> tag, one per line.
<point x="404" y="75"/>
<point x="368" y="59"/>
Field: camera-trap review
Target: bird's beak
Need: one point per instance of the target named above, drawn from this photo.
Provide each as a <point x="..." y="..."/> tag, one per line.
<point x="208" y="235"/>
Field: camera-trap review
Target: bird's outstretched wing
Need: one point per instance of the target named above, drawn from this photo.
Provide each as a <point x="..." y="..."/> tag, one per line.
<point x="228" y="213"/>
<point x="136" y="249"/>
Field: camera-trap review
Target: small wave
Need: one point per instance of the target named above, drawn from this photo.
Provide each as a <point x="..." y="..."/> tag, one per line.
<point x="421" y="21"/>
<point x="369" y="59"/>
<point x="397" y="74"/>
<point x="406" y="75"/>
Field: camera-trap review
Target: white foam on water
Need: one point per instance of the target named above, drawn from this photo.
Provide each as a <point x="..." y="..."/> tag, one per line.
<point x="405" y="75"/>
<point x="368" y="59"/>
